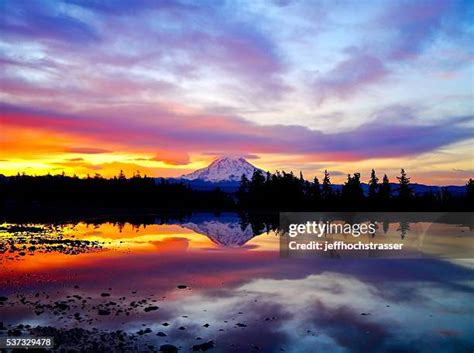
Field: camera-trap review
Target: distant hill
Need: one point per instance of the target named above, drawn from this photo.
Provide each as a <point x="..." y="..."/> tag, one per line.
<point x="418" y="189"/>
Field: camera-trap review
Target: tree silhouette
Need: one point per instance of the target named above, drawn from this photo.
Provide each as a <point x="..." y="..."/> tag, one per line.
<point x="373" y="185"/>
<point x="470" y="190"/>
<point x="315" y="191"/>
<point x="326" y="191"/>
<point x="385" y="191"/>
<point x="265" y="191"/>
<point x="404" y="191"/>
<point x="352" y="191"/>
<point x="257" y="179"/>
<point x="244" y="184"/>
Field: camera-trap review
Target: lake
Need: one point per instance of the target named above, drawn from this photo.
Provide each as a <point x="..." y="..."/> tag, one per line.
<point x="218" y="283"/>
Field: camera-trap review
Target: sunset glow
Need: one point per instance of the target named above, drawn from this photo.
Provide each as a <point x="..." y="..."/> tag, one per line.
<point x="165" y="87"/>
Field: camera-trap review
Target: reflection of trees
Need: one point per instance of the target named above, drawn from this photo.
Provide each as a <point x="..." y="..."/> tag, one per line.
<point x="385" y="226"/>
<point x="373" y="221"/>
<point x="403" y="228"/>
<point x="259" y="222"/>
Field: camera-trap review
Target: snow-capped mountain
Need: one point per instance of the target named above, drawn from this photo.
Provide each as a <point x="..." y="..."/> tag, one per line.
<point x="223" y="169"/>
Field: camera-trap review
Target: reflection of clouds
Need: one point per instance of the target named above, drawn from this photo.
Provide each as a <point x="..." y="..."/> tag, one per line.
<point x="299" y="305"/>
<point x="171" y="244"/>
<point x="339" y="312"/>
<point x="312" y="302"/>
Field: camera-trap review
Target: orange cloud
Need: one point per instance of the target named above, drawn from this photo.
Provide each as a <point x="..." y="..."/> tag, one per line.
<point x="172" y="157"/>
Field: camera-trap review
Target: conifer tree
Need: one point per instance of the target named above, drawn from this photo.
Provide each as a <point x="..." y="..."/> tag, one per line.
<point x="404" y="191"/>
<point x="326" y="191"/>
<point x="315" y="189"/>
<point x="470" y="190"/>
<point x="373" y="185"/>
<point x="385" y="191"/>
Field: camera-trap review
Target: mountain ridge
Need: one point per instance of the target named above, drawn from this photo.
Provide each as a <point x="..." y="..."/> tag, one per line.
<point x="225" y="173"/>
<point x="223" y="169"/>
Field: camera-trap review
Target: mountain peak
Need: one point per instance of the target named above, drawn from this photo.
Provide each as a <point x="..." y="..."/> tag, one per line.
<point x="223" y="169"/>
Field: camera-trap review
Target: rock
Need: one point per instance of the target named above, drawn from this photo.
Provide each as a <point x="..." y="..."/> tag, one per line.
<point x="143" y="332"/>
<point x="105" y="294"/>
<point x="104" y="312"/>
<point x="204" y="346"/>
<point x="182" y="286"/>
<point x="161" y="334"/>
<point x="150" y="308"/>
<point x="168" y="348"/>
<point x="62" y="306"/>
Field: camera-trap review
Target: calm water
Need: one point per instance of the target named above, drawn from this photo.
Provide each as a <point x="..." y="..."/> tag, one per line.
<point x="211" y="282"/>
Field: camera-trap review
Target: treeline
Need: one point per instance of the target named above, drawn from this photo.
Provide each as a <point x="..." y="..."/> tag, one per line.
<point x="285" y="191"/>
<point x="263" y="192"/>
<point x="98" y="192"/>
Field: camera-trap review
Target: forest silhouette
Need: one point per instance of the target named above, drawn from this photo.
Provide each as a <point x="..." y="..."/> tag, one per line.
<point x="285" y="191"/>
<point x="280" y="191"/>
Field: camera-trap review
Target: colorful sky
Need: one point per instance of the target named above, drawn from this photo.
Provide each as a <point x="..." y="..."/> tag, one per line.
<point x="166" y="86"/>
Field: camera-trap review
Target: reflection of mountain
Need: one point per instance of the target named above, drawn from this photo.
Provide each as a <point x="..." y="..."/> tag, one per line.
<point x="227" y="229"/>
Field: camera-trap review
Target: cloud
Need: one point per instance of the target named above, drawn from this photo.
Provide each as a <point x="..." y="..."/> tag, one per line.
<point x="245" y="155"/>
<point x="350" y="76"/>
<point x="75" y="159"/>
<point x="405" y="30"/>
<point x="172" y="157"/>
<point x="145" y="77"/>
<point x="336" y="173"/>
<point x="144" y="49"/>
<point x="391" y="134"/>
<point x="416" y="24"/>
<point x="41" y="21"/>
<point x="87" y="150"/>
<point x="126" y="7"/>
<point x="78" y="165"/>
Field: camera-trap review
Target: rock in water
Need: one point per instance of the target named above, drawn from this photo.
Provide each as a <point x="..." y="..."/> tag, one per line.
<point x="204" y="347"/>
<point x="168" y="348"/>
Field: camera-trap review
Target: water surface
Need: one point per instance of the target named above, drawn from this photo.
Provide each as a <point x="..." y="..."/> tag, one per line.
<point x="218" y="283"/>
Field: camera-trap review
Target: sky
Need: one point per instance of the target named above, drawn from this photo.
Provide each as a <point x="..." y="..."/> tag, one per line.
<point x="165" y="87"/>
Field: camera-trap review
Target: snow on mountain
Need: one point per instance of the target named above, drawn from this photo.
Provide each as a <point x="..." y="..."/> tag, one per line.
<point x="223" y="169"/>
<point x="229" y="234"/>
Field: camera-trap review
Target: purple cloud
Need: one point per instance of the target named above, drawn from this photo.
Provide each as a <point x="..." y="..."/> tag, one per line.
<point x="349" y="76"/>
<point x="408" y="28"/>
<point x="416" y="24"/>
<point x="35" y="19"/>
<point x="384" y="137"/>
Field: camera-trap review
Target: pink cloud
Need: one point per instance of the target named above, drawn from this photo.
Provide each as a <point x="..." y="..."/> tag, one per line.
<point x="176" y="135"/>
